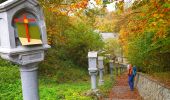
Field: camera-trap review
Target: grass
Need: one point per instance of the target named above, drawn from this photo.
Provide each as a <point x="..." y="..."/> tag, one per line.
<point x="10" y="87"/>
<point x="66" y="91"/>
<point x="49" y="87"/>
<point x="49" y="90"/>
<point x="108" y="84"/>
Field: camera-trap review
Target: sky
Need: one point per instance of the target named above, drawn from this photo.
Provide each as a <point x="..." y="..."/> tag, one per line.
<point x="110" y="7"/>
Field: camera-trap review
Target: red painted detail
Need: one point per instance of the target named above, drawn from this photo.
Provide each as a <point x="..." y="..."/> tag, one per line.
<point x="26" y="21"/>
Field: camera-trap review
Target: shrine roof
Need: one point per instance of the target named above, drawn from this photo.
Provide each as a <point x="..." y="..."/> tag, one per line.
<point x="8" y="4"/>
<point x="92" y="54"/>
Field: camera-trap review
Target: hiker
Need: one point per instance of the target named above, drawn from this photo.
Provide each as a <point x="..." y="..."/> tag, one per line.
<point x="131" y="77"/>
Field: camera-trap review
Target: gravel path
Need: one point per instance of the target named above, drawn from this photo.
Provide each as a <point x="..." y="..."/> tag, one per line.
<point x="121" y="90"/>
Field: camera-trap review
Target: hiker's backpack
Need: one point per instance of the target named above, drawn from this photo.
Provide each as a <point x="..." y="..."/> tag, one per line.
<point x="134" y="71"/>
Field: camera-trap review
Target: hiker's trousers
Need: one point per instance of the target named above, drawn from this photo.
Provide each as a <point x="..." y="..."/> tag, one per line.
<point x="131" y="82"/>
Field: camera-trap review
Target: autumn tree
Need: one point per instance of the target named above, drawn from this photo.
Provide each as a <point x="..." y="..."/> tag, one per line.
<point x="145" y="34"/>
<point x="70" y="33"/>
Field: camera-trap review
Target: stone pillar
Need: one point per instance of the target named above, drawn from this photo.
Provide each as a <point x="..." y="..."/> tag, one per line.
<point x="93" y="80"/>
<point x="101" y="70"/>
<point x="120" y="68"/>
<point x="92" y="60"/>
<point x="116" y="68"/>
<point x="29" y="79"/>
<point x="111" y="68"/>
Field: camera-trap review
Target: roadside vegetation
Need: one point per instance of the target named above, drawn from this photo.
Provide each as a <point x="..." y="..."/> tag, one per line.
<point x="145" y="36"/>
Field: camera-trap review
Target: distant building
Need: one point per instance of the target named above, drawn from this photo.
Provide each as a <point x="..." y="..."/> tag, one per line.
<point x="107" y="35"/>
<point x="128" y="3"/>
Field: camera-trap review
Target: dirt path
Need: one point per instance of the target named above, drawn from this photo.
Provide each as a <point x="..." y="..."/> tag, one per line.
<point x="121" y="90"/>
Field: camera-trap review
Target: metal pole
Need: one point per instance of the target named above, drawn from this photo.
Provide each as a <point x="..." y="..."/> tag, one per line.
<point x="101" y="70"/>
<point x="29" y="79"/>
<point x="93" y="81"/>
<point x="117" y="69"/>
<point x="101" y="81"/>
<point x="111" y="69"/>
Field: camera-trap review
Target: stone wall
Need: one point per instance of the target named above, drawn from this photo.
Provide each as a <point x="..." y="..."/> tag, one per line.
<point x="150" y="89"/>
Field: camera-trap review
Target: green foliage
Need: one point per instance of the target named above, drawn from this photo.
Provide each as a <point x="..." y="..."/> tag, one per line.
<point x="138" y="4"/>
<point x="108" y="84"/>
<point x="149" y="47"/>
<point x="81" y="39"/>
<point x="120" y="7"/>
<point x="10" y="86"/>
<point x="67" y="91"/>
<point x="71" y="52"/>
<point x="146" y="35"/>
<point x="163" y="77"/>
<point x="71" y="38"/>
<point x="113" y="47"/>
<point x="60" y="69"/>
